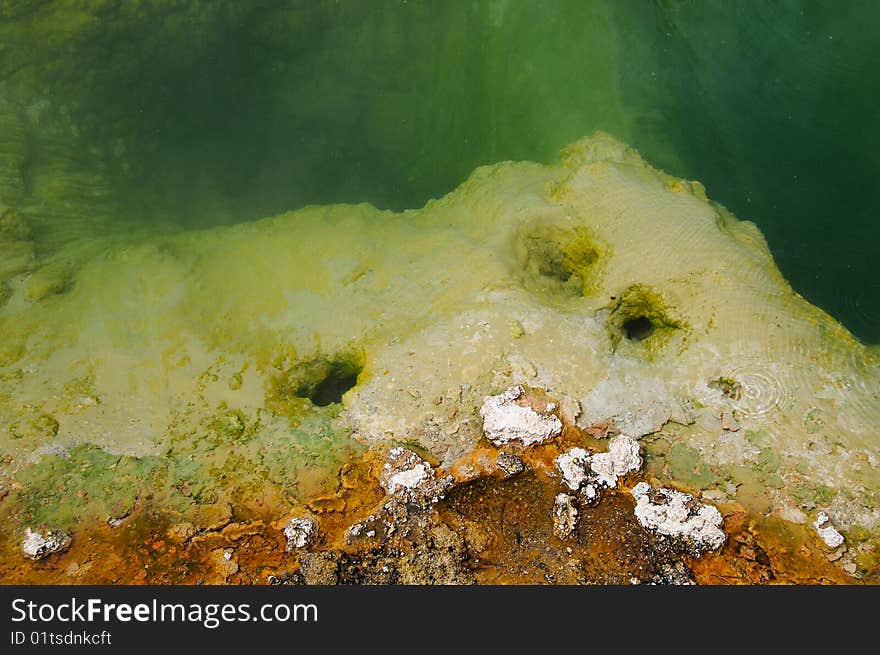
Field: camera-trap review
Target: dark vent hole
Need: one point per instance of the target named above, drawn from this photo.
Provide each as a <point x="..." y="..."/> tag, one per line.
<point x="330" y="389"/>
<point x="638" y="328"/>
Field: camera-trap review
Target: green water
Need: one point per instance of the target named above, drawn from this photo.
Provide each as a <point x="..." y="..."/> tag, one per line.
<point x="773" y="106"/>
<point x="198" y="113"/>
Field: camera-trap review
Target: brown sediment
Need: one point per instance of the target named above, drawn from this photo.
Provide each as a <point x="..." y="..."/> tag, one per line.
<point x="762" y="550"/>
<point x="493" y="527"/>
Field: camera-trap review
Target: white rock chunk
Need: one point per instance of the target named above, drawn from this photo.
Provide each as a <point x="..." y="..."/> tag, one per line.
<point x="37" y="546"/>
<point x="574" y="465"/>
<point x="675" y="514"/>
<point x="300" y="532"/>
<point x="621" y="458"/>
<point x="408" y="478"/>
<point x="827" y="532"/>
<point x="590" y="473"/>
<point x="404" y="472"/>
<point x="505" y="420"/>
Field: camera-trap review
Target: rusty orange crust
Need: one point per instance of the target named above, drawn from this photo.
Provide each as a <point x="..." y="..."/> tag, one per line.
<point x="504" y="523"/>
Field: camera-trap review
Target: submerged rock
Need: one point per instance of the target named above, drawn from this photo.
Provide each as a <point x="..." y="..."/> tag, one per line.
<point x="13" y="225"/>
<point x="509" y="464"/>
<point x="674" y="574"/>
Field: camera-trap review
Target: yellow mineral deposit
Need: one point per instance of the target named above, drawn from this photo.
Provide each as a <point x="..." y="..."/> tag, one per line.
<point x="246" y="366"/>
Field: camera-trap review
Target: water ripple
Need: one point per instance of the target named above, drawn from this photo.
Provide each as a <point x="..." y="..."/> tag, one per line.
<point x="755" y="390"/>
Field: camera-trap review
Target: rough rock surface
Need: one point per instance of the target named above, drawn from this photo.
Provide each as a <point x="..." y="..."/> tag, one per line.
<point x="679" y="515"/>
<point x="589" y="474"/>
<point x="826" y="531"/>
<point x="565" y="515"/>
<point x="506" y="420"/>
<point x="37" y="545"/>
<point x="406" y="476"/>
<point x="574" y="465"/>
<point x="509" y="464"/>
<point x="621" y="458"/>
<point x="300" y="532"/>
